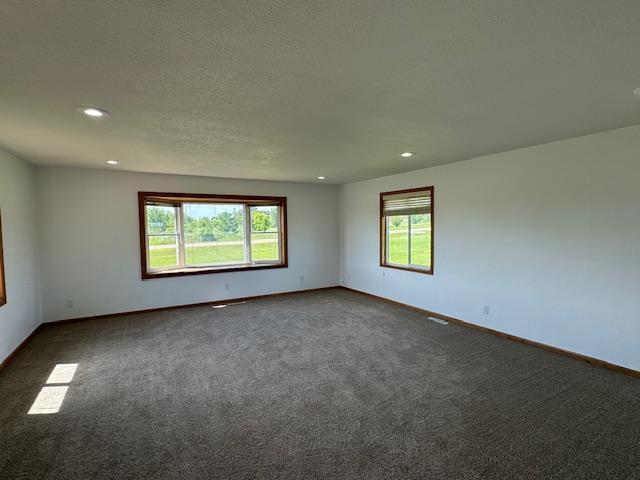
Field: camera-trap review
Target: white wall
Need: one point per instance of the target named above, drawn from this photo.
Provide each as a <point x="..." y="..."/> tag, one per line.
<point x="21" y="314"/>
<point x="91" y="255"/>
<point x="547" y="236"/>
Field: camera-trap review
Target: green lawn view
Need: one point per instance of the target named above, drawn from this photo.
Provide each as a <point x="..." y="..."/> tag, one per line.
<point x="232" y="251"/>
<point x="264" y="247"/>
<point x="420" y="244"/>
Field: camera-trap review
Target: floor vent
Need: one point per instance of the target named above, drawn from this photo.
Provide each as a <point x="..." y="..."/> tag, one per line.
<point x="224" y="305"/>
<point x="438" y="320"/>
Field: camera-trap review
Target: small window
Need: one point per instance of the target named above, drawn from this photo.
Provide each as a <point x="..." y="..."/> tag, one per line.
<point x="188" y="234"/>
<point x="406" y="229"/>
<point x="3" y="289"/>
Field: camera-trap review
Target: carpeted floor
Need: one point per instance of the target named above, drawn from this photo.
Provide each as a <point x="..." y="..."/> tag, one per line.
<point x="328" y="384"/>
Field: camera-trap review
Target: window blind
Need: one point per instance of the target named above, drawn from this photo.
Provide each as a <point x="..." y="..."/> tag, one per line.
<point x="408" y="203"/>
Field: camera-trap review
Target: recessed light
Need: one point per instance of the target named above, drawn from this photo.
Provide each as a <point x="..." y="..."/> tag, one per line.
<point x="637" y="92"/>
<point x="112" y="162"/>
<point x="93" y="112"/>
<point x="406" y="154"/>
<point x="321" y="178"/>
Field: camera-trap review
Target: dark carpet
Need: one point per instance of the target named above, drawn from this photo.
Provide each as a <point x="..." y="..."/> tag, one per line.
<point x="328" y="384"/>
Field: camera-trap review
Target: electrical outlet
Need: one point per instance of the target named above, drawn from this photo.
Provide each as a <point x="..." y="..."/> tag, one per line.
<point x="70" y="304"/>
<point x="301" y="278"/>
<point x="485" y="310"/>
<point x="227" y="286"/>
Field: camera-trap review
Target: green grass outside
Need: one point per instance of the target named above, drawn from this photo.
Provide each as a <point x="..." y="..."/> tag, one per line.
<point x="216" y="253"/>
<point x="212" y="254"/>
<point x="420" y="245"/>
<point x="420" y="249"/>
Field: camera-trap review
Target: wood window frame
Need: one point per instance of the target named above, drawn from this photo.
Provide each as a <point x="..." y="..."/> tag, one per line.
<point x="383" y="232"/>
<point x="251" y="200"/>
<point x="3" y="281"/>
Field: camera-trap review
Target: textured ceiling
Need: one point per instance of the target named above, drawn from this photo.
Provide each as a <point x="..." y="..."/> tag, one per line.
<point x="292" y="89"/>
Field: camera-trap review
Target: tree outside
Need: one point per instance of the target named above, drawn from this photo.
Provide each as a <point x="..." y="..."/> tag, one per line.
<point x="260" y="221"/>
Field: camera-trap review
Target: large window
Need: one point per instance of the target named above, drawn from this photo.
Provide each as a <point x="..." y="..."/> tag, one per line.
<point x="406" y="229"/>
<point x="3" y="289"/>
<point x="186" y="234"/>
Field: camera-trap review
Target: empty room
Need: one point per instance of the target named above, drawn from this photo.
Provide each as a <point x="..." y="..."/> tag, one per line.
<point x="343" y="239"/>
